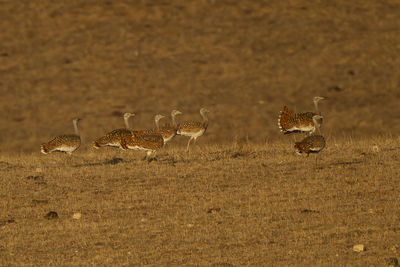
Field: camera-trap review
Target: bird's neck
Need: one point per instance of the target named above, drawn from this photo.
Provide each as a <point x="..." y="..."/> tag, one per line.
<point x="317" y="129"/>
<point x="317" y="107"/>
<point x="76" y="128"/>
<point x="157" y="124"/>
<point x="205" y="118"/>
<point x="174" y="121"/>
<point x="126" y="120"/>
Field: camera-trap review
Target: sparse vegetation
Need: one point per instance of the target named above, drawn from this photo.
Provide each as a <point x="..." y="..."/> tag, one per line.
<point x="240" y="197"/>
<point x="239" y="204"/>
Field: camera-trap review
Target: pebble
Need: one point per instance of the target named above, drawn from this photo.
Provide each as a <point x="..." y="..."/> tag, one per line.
<point x="77" y="215"/>
<point x="359" y="248"/>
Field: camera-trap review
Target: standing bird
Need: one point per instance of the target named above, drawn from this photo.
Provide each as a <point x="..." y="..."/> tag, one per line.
<point x="113" y="138"/>
<point x="148" y="142"/>
<point x="168" y="131"/>
<point x="313" y="143"/>
<point x="156" y="130"/>
<point x="67" y="143"/>
<point x="290" y="122"/>
<point x="194" y="129"/>
<point x="145" y="140"/>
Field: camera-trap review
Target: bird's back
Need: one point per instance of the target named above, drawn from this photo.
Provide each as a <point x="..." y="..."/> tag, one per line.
<point x="64" y="143"/>
<point x="190" y="127"/>
<point x="167" y="132"/>
<point x="289" y="122"/>
<point x="112" y="138"/>
<point x="141" y="140"/>
<point x="310" y="144"/>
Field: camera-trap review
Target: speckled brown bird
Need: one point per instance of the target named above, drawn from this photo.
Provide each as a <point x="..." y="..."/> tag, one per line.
<point x="290" y="122"/>
<point x="156" y="130"/>
<point x="168" y="131"/>
<point x="67" y="143"/>
<point x="313" y="143"/>
<point x="194" y="129"/>
<point x="148" y="142"/>
<point x="114" y="137"/>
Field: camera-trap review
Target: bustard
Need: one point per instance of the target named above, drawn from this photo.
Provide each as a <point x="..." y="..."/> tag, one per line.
<point x="67" y="143"/>
<point x="313" y="143"/>
<point x="168" y="131"/>
<point x="290" y="122"/>
<point x="156" y="130"/>
<point x="113" y="138"/>
<point x="194" y="129"/>
<point x="145" y="140"/>
<point x="148" y="142"/>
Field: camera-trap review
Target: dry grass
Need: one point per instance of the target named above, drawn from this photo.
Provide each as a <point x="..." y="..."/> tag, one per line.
<point x="233" y="205"/>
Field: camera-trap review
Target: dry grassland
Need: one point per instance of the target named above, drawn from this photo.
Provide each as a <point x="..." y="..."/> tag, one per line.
<point x="241" y="197"/>
<point x="233" y="205"/>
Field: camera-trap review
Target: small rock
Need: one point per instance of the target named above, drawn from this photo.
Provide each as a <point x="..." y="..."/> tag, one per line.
<point x="213" y="210"/>
<point x="51" y="215"/>
<point x="77" y="215"/>
<point x="359" y="248"/>
<point x="189" y="225"/>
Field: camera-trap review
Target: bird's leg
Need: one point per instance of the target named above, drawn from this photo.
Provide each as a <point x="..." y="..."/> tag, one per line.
<point x="190" y="139"/>
<point x="152" y="156"/>
<point x="316" y="161"/>
<point x="147" y="155"/>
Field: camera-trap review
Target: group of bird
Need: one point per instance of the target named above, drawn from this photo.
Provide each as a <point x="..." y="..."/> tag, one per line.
<point x="149" y="140"/>
<point x="304" y="122"/>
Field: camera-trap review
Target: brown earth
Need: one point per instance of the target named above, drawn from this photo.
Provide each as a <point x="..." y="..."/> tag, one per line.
<point x="241" y="197"/>
<point x="232" y="205"/>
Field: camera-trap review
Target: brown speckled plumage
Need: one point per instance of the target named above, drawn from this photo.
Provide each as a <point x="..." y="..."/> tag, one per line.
<point x="66" y="143"/>
<point x="194" y="129"/>
<point x="310" y="144"/>
<point x="138" y="140"/>
<point x="290" y="122"/>
<point x="168" y="131"/>
<point x="114" y="137"/>
<point x="313" y="143"/>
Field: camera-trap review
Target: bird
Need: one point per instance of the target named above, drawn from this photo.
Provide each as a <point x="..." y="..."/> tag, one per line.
<point x="67" y="143"/>
<point x="168" y="131"/>
<point x="156" y="130"/>
<point x="113" y="138"/>
<point x="194" y="129"/>
<point x="290" y="122"/>
<point x="148" y="142"/>
<point x="313" y="143"/>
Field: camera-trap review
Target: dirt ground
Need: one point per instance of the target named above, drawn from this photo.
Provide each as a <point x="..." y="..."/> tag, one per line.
<point x="237" y="205"/>
<point x="241" y="197"/>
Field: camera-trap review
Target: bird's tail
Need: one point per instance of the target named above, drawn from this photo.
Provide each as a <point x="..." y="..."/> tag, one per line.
<point x="285" y="119"/>
<point x="99" y="142"/>
<point x="44" y="148"/>
<point x="297" y="148"/>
